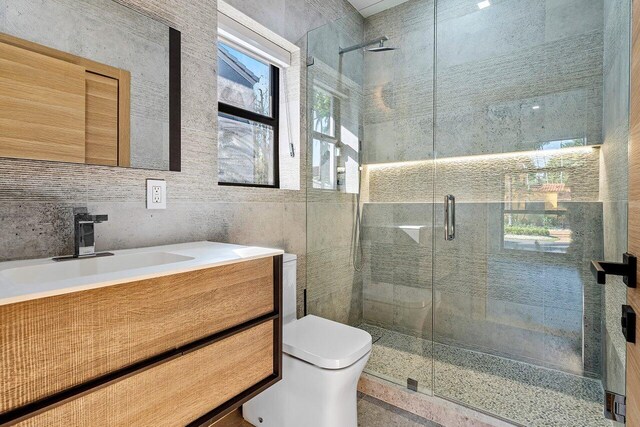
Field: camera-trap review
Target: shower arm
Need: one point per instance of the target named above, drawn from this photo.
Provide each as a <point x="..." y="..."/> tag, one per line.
<point x="363" y="45"/>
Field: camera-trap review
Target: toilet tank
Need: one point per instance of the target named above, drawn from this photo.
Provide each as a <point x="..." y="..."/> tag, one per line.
<point x="289" y="301"/>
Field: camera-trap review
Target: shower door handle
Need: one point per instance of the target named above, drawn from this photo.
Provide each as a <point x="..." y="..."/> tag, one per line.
<point x="449" y="217"/>
<point x="627" y="269"/>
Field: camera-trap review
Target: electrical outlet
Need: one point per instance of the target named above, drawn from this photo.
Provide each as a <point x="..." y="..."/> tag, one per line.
<point x="156" y="194"/>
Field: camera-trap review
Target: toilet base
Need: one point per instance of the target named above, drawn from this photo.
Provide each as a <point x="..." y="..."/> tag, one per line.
<point x="308" y="396"/>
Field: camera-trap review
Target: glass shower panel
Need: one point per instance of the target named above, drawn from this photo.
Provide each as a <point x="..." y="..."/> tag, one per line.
<point x="398" y="195"/>
<point x="375" y="274"/>
<point x="518" y="136"/>
<point x="334" y="114"/>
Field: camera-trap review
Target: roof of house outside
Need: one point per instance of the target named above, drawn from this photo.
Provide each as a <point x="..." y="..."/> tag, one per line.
<point x="553" y="188"/>
<point x="248" y="78"/>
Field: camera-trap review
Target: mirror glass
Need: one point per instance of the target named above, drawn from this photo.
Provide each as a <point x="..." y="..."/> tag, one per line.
<point x="88" y="81"/>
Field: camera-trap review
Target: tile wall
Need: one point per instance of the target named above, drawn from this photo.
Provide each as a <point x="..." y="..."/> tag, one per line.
<point x="37" y="198"/>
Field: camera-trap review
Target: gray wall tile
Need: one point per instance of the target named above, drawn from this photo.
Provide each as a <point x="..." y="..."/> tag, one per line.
<point x="37" y="197"/>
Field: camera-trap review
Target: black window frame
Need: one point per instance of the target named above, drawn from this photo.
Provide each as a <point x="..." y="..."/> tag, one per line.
<point x="273" y="121"/>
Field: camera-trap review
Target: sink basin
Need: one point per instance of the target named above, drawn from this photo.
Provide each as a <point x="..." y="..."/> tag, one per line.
<point x="52" y="272"/>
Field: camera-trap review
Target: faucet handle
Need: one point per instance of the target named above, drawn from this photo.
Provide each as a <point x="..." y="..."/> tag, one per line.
<point x="85" y="217"/>
<point x="100" y="218"/>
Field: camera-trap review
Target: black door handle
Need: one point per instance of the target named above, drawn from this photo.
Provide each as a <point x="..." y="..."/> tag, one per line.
<point x="626" y="269"/>
<point x="628" y="322"/>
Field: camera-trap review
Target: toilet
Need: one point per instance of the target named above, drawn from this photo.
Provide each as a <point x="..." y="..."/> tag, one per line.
<point x="321" y="363"/>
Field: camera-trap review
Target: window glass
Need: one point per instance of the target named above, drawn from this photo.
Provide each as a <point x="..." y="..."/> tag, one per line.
<point x="248" y="113"/>
<point x="534" y="214"/>
<point x="323" y="112"/>
<point x="544" y="232"/>
<point x="324" y="164"/>
<point x="243" y="81"/>
<point x="245" y="151"/>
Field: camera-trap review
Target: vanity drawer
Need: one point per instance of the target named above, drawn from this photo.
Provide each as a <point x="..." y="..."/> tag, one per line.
<point x="177" y="392"/>
<point x="49" y="345"/>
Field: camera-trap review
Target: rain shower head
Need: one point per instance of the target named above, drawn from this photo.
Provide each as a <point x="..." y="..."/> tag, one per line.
<point x="379" y="48"/>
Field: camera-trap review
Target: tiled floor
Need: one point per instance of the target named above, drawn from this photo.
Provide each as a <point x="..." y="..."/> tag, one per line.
<point x="371" y="413"/>
<point x="517" y="391"/>
<point x="375" y="413"/>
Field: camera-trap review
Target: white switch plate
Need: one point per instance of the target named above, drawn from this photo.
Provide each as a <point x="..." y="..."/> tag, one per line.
<point x="156" y="194"/>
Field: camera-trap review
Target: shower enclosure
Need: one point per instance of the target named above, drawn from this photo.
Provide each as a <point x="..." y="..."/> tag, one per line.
<point x="459" y="187"/>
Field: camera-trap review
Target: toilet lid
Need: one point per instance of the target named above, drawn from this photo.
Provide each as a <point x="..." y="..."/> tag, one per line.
<point x="324" y="343"/>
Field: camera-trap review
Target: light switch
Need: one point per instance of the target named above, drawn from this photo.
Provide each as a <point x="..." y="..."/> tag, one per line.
<point x="156" y="194"/>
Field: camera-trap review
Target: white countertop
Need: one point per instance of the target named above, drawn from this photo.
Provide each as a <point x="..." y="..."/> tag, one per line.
<point x="39" y="278"/>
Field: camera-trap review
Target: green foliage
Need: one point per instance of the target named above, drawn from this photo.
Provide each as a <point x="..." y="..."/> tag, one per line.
<point x="322" y="112"/>
<point x="526" y="230"/>
<point x="322" y="104"/>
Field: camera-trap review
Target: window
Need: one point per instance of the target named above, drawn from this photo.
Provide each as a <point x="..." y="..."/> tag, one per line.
<point x="324" y="164"/>
<point x="248" y="117"/>
<point x="534" y="216"/>
<point x="325" y="141"/>
<point x="323" y="112"/>
<point x="539" y="189"/>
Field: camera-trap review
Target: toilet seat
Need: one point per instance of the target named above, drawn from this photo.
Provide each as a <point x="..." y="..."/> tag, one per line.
<point x="324" y="343"/>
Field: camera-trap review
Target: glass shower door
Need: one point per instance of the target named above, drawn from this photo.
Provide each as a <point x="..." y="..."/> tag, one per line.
<point x="493" y="148"/>
<point x="522" y="144"/>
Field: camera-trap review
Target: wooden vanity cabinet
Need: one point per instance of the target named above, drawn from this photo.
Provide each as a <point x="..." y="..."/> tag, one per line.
<point x="61" y="107"/>
<point x="173" y="393"/>
<point x="173" y="350"/>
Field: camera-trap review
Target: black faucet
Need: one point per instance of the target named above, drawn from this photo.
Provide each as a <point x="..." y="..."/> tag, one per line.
<point x="84" y="237"/>
<point x="83" y="225"/>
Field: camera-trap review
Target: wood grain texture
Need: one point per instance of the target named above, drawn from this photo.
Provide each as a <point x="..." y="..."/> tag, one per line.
<point x="93" y="66"/>
<point x="50" y="344"/>
<point x="234" y="419"/>
<point x="124" y="119"/>
<point x="633" y="295"/>
<point x="99" y="136"/>
<point x="101" y="130"/>
<point x="42" y="107"/>
<point x="177" y="392"/>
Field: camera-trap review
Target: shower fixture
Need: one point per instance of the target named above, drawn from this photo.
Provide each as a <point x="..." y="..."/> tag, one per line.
<point x="379" y="48"/>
